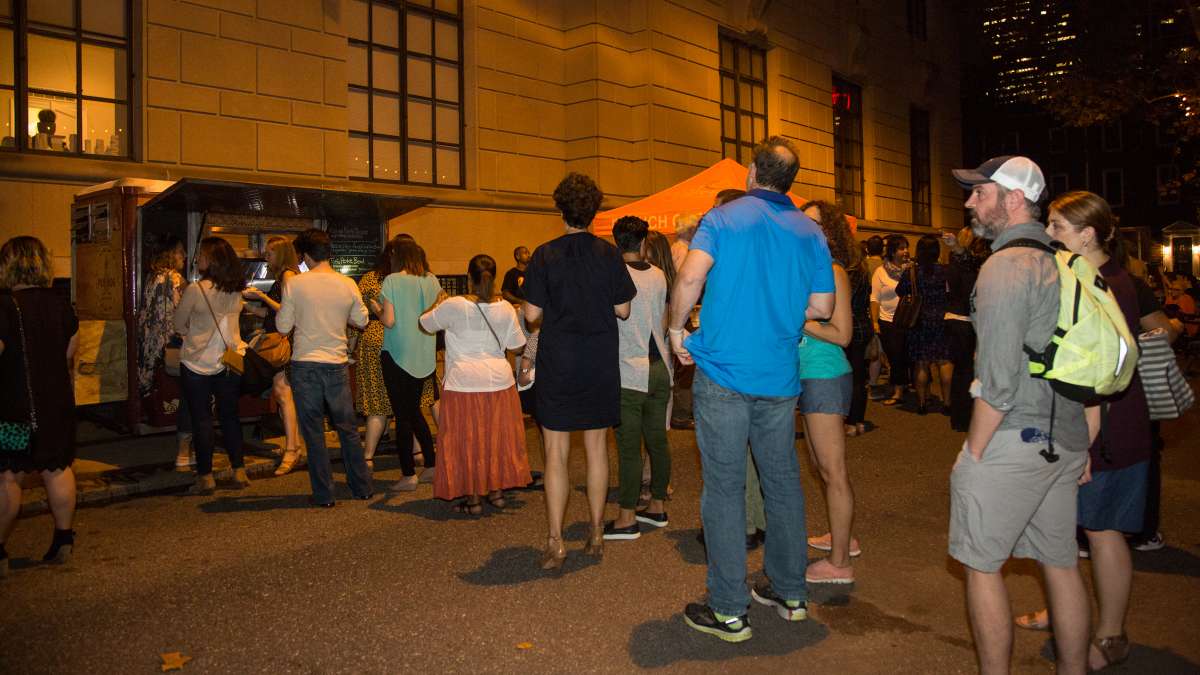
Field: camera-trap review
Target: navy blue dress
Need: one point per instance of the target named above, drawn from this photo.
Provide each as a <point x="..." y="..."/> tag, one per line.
<point x="927" y="340"/>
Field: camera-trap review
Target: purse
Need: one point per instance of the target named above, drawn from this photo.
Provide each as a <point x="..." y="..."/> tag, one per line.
<point x="1168" y="394"/>
<point x="909" y="309"/>
<point x="17" y="437"/>
<point x="231" y="359"/>
<point x="171" y="360"/>
<point x="274" y="348"/>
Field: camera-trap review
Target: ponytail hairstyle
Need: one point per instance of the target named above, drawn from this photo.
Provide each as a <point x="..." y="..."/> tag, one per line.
<point x="481" y="277"/>
<point x="1086" y="209"/>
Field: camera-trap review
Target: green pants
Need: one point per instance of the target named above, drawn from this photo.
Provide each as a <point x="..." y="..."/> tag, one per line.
<point x="644" y="416"/>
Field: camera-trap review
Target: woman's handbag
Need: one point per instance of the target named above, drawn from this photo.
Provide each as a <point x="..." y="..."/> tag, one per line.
<point x="274" y="348"/>
<point x="171" y="356"/>
<point x="231" y="359"/>
<point x="909" y="309"/>
<point x="1167" y="392"/>
<point x="17" y="437"/>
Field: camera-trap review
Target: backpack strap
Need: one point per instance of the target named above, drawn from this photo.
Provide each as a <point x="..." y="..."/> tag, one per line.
<point x="1028" y="243"/>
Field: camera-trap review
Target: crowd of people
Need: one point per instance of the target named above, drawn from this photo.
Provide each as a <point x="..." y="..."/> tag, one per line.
<point x="798" y="320"/>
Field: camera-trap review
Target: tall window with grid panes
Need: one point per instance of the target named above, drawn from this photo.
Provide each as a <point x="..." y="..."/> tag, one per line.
<point x="743" y="97"/>
<point x="65" y="71"/>
<point x="848" y="146"/>
<point x="405" y="105"/>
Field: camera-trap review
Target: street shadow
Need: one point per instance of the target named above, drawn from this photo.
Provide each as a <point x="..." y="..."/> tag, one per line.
<point x="1169" y="560"/>
<point x="441" y="510"/>
<point x="1142" y="659"/>
<point x="690" y="550"/>
<point x="251" y="503"/>
<point x="659" y="644"/>
<point x="522" y="564"/>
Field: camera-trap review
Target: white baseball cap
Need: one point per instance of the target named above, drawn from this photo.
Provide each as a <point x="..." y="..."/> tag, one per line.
<point x="1010" y="172"/>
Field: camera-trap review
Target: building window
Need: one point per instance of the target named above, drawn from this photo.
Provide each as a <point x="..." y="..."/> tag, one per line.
<point x="1165" y="176"/>
<point x="1114" y="186"/>
<point x="743" y="97"/>
<point x="404" y="70"/>
<point x="1060" y="183"/>
<point x="1110" y="137"/>
<point x="1058" y="140"/>
<point x="848" y="146"/>
<point x="922" y="192"/>
<point x="65" y="71"/>
<point x="917" y="20"/>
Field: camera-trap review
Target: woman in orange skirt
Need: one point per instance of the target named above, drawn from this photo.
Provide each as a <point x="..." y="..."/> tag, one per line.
<point x="481" y="433"/>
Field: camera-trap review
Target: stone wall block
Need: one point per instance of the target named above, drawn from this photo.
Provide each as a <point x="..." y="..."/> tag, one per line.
<point x="317" y="115"/>
<point x="183" y="15"/>
<point x="162" y="136"/>
<point x="335" y="154"/>
<point x="249" y="29"/>
<point x="162" y="52"/>
<point x="290" y="75"/>
<point x="237" y="6"/>
<point x="303" y="13"/>
<point x="251" y="106"/>
<point x="335" y="82"/>
<point x="162" y="94"/>
<point x="291" y="149"/>
<point x="318" y="44"/>
<point x="217" y="63"/>
<point x="218" y="141"/>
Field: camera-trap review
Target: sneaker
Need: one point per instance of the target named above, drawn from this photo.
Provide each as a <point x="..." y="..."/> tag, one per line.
<point x="825" y="572"/>
<point x="825" y="543"/>
<point x="427" y="475"/>
<point x="612" y="532"/>
<point x="1154" y="543"/>
<point x="654" y="519"/>
<point x="790" y="610"/>
<point x="405" y="484"/>
<point x="703" y="619"/>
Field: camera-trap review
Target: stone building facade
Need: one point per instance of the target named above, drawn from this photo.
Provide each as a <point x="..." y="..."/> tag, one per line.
<point x="482" y="105"/>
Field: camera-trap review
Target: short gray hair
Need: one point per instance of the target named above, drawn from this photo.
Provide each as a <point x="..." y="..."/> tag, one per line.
<point x="1035" y="211"/>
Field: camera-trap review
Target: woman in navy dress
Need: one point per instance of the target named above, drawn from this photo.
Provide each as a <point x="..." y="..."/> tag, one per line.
<point x="928" y="350"/>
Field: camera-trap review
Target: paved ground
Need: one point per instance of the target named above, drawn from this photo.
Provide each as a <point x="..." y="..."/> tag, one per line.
<point x="257" y="582"/>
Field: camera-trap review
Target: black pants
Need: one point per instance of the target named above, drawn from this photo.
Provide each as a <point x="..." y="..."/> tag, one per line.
<point x="895" y="344"/>
<point x="226" y="388"/>
<point x="856" y="354"/>
<point x="404" y="390"/>
<point x="1153" y="491"/>
<point x="961" y="336"/>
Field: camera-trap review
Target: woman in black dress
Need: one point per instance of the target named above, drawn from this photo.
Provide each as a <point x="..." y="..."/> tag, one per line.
<point x="577" y="286"/>
<point x="927" y="345"/>
<point x="37" y="344"/>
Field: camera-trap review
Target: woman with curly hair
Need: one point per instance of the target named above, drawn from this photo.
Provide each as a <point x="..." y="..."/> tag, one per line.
<point x="577" y="286"/>
<point x="38" y="338"/>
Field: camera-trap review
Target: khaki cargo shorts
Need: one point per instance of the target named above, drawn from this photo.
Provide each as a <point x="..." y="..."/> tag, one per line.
<point x="1013" y="503"/>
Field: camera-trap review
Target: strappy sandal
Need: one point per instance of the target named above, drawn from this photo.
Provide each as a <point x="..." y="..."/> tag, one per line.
<point x="467" y="508"/>
<point x="497" y="502"/>
<point x="1114" y="649"/>
<point x="1039" y="620"/>
<point x="890" y="401"/>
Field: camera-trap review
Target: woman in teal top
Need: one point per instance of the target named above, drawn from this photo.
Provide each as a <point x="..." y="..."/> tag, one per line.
<point x="409" y="354"/>
<point x="826" y="388"/>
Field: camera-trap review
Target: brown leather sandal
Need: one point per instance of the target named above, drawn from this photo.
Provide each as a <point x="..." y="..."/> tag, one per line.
<point x="1114" y="649"/>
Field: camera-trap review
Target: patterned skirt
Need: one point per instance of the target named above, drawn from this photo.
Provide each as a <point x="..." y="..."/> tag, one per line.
<point x="371" y="397"/>
<point x="481" y="444"/>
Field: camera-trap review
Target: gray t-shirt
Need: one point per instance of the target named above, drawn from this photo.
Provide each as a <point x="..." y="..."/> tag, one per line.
<point x="1015" y="303"/>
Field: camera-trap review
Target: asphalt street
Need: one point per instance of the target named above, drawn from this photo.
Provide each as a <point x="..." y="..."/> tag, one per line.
<point x="257" y="581"/>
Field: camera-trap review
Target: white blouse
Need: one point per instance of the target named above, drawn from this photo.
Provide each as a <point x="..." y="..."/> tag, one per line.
<point x="203" y="343"/>
<point x="883" y="291"/>
<point x="475" y="358"/>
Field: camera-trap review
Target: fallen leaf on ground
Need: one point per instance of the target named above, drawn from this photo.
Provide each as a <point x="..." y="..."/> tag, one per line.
<point x="173" y="660"/>
<point x="524" y="645"/>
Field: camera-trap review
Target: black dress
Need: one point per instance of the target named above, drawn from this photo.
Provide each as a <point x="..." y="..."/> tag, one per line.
<point x="576" y="280"/>
<point x="927" y="339"/>
<point x="49" y="323"/>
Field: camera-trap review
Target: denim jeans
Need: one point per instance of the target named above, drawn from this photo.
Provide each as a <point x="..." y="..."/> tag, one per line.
<point x="315" y="386"/>
<point x="198" y="390"/>
<point x="726" y="421"/>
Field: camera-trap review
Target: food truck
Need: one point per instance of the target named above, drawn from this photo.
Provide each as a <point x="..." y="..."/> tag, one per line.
<point x="116" y="226"/>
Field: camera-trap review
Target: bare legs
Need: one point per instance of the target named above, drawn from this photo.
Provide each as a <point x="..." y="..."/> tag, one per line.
<point x="1112" y="576"/>
<point x="926" y="371"/>
<point x="558" y="448"/>
<point x="376" y="425"/>
<point x="827" y="447"/>
<point x="10" y="502"/>
<point x="60" y="493"/>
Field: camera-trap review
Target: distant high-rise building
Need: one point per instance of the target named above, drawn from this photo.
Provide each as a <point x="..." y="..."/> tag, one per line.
<point x="1029" y="47"/>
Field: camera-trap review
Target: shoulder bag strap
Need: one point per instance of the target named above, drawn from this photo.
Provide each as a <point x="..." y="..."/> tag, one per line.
<point x="216" y="323"/>
<point x="25" y="356"/>
<point x="912" y="278"/>
<point x="489" y="325"/>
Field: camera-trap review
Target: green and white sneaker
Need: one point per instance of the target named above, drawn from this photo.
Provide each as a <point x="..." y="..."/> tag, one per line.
<point x="703" y="619"/>
<point x="790" y="610"/>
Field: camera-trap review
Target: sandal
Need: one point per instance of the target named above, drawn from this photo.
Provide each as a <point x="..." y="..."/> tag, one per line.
<point x="467" y="508"/>
<point x="890" y="401"/>
<point x="290" y="459"/>
<point x="1114" y="649"/>
<point x="1039" y="620"/>
<point x="498" y="502"/>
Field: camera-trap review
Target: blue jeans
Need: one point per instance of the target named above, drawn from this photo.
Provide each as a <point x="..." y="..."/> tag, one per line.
<point x="726" y="421"/>
<point x="315" y="386"/>
<point x="198" y="390"/>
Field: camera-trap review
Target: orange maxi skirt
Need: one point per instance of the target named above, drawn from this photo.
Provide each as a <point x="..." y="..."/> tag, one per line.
<point x="481" y="444"/>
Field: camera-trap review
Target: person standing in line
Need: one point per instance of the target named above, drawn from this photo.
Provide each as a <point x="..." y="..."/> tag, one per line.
<point x="873" y="259"/>
<point x="1007" y="496"/>
<point x="38" y="340"/>
<point x="318" y="305"/>
<point x="967" y="253"/>
<point x="681" y="390"/>
<point x="577" y="286"/>
<point x="645" y="389"/>
<point x="207" y="318"/>
<point x="515" y="277"/>
<point x="884" y="301"/>
<point x="482" y="434"/>
<point x="371" y="400"/>
<point x="409" y="357"/>
<point x="1113" y="503"/>
<point x="162" y="291"/>
<point x="283" y="266"/>
<point x="927" y="346"/>
<point x="765" y="270"/>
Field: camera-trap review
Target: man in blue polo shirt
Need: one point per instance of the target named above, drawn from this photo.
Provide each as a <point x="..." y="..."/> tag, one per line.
<point x="765" y="269"/>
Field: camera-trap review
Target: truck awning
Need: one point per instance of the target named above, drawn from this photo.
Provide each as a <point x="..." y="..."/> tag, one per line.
<point x="279" y="201"/>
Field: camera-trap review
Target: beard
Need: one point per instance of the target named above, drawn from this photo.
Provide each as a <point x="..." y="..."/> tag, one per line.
<point x="988" y="224"/>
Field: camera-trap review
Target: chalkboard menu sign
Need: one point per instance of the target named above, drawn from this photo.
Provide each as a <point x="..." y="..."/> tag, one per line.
<point x="355" y="246"/>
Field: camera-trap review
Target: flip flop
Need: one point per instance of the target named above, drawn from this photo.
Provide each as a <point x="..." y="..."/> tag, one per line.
<point x="1039" y="621"/>
<point x="890" y="401"/>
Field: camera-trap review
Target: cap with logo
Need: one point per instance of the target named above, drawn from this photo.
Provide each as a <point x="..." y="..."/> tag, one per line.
<point x="1010" y="172"/>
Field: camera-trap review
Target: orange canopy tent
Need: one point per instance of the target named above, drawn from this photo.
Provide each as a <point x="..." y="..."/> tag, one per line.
<point x="694" y="195"/>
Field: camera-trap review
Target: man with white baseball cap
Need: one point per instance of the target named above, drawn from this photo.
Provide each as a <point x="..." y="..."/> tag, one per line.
<point x="1008" y="496"/>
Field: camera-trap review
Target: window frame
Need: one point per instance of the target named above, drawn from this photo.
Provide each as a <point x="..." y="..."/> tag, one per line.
<point x="18" y="22"/>
<point x="920" y="135"/>
<point x="1119" y="200"/>
<point x="403" y="9"/>
<point x="727" y="39"/>
<point x="840" y="147"/>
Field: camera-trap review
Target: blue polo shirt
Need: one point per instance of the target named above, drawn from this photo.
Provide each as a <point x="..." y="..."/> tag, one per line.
<point x="768" y="258"/>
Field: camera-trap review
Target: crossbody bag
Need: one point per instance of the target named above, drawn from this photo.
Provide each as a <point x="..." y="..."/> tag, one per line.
<point x="17" y="437"/>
